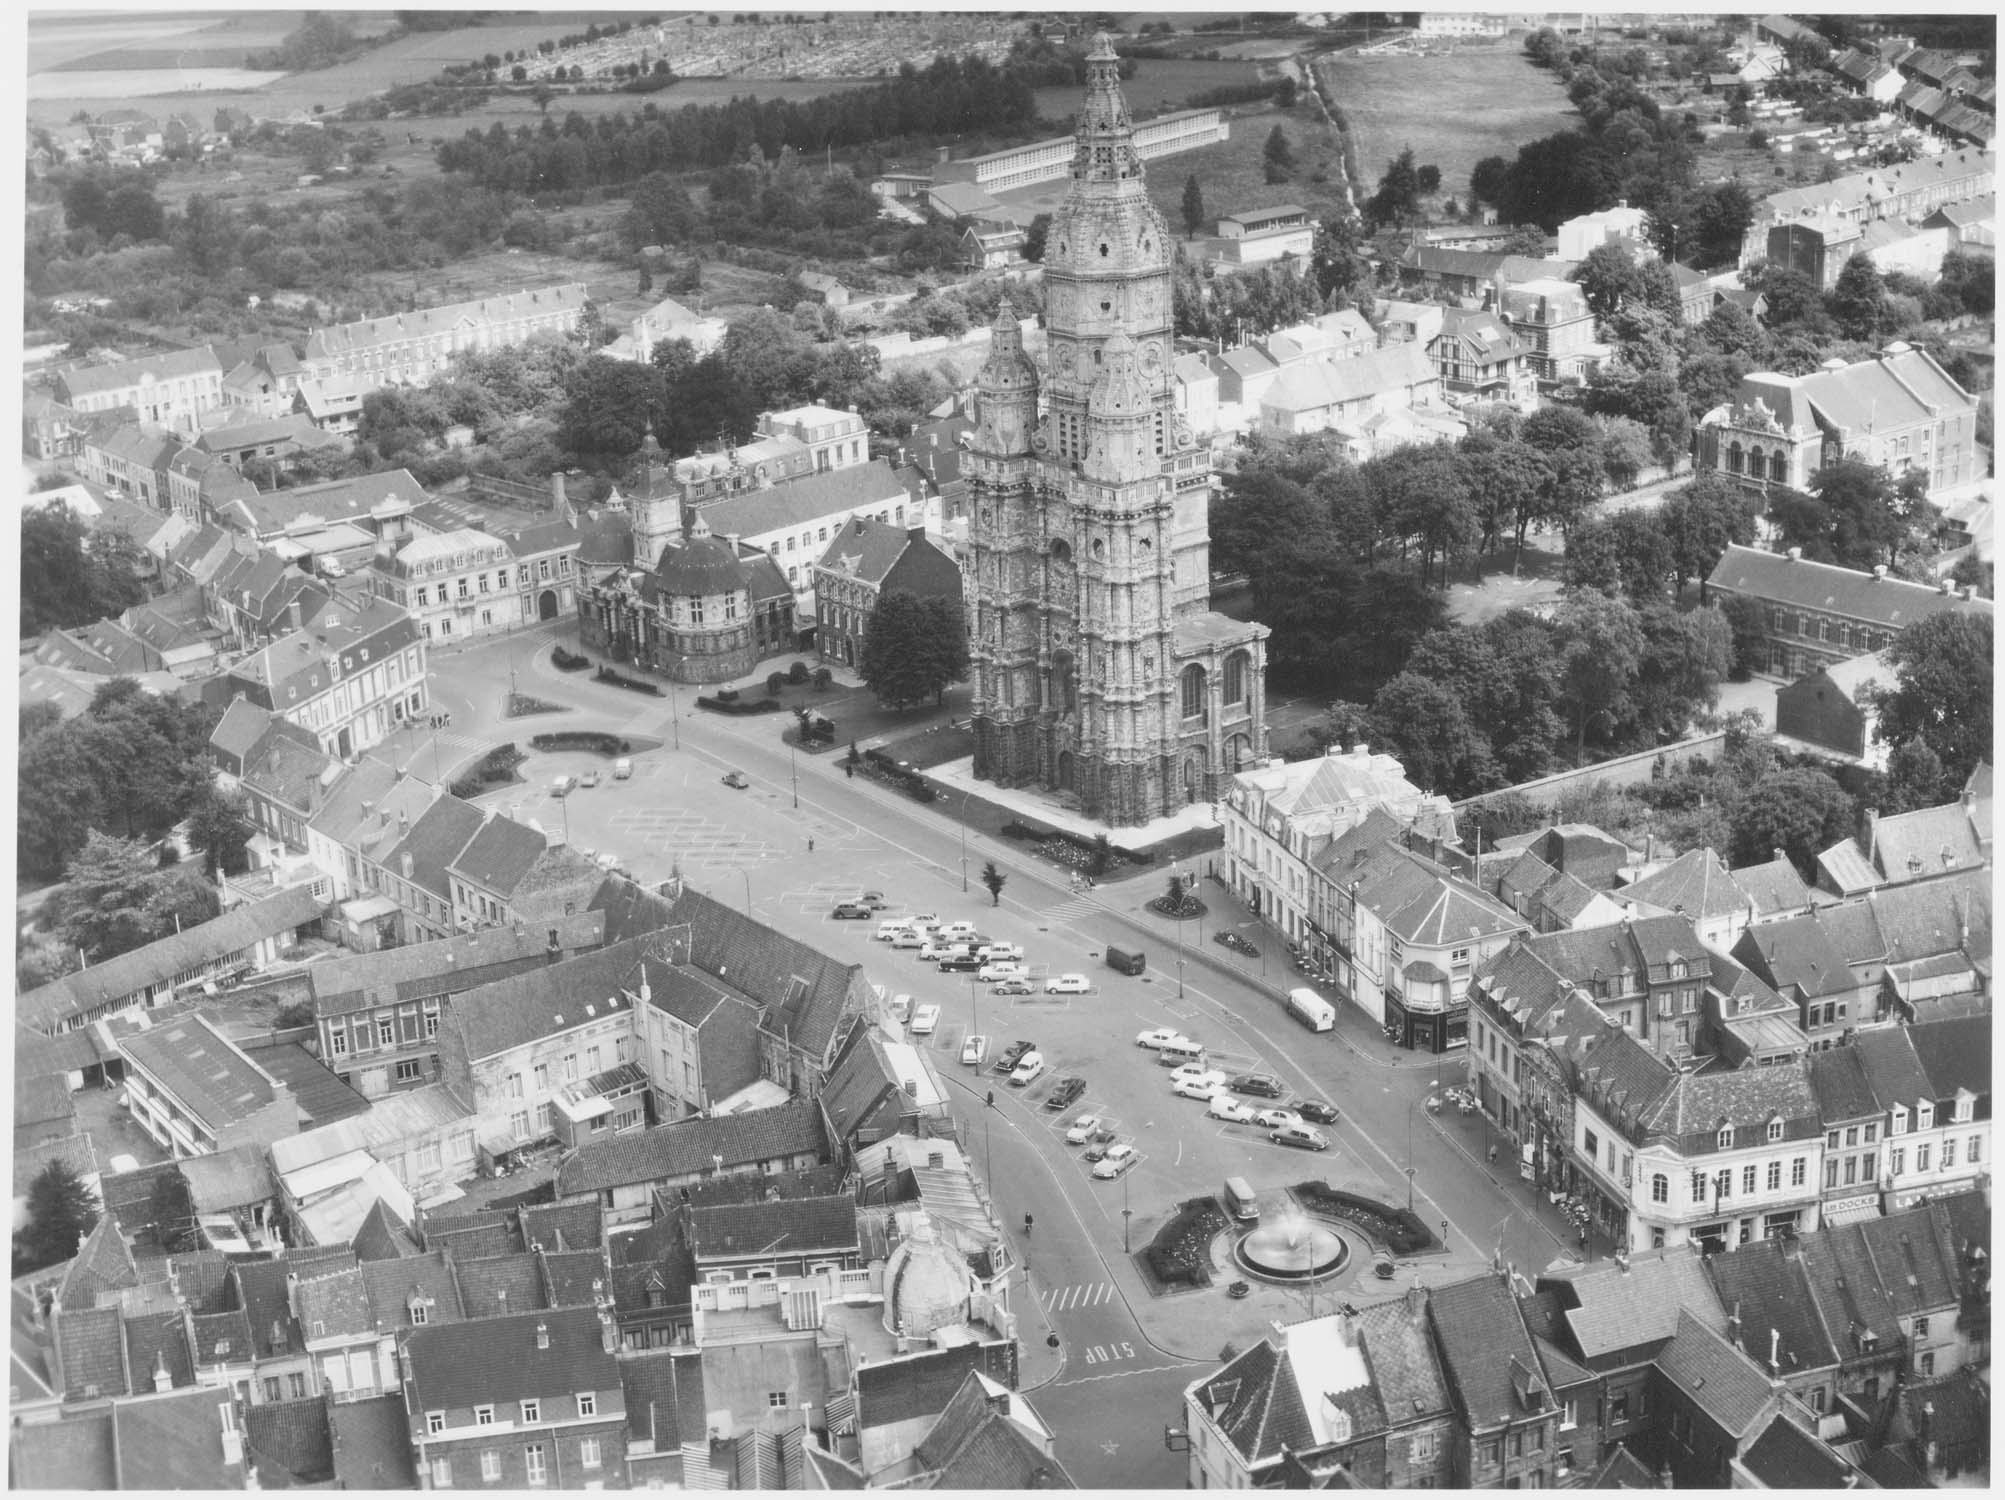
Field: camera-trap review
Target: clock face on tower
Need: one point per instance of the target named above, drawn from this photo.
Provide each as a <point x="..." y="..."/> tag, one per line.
<point x="1151" y="357"/>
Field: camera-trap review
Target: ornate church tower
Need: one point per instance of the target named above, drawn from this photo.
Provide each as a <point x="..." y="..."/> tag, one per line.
<point x="1099" y="669"/>
<point x="656" y="519"/>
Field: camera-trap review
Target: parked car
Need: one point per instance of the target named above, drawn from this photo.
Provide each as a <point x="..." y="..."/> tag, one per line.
<point x="1099" y="1150"/>
<point x="924" y="1019"/>
<point x="1322" y="1112"/>
<point x="1067" y="984"/>
<point x="960" y="963"/>
<point x="1202" y="1087"/>
<point x="872" y="899"/>
<point x="964" y="931"/>
<point x="994" y="952"/>
<point x="1082" y="1130"/>
<point x="849" y="912"/>
<point x="623" y="768"/>
<point x="932" y="952"/>
<point x="1027" y="1070"/>
<point x="590" y="778"/>
<point x="1160" y="1036"/>
<point x="736" y="779"/>
<point x="1300" y="1136"/>
<point x="1013" y="1055"/>
<point x="886" y="931"/>
<point x="1014" y="987"/>
<point x="1196" y="1070"/>
<point x="990" y="973"/>
<point x="1232" y="1111"/>
<point x="1066" y="1094"/>
<point x="908" y="939"/>
<point x="1274" y="1119"/>
<point x="973" y="1050"/>
<point x="1266" y="1085"/>
<point x="901" y="1008"/>
<point x="1118" y="1159"/>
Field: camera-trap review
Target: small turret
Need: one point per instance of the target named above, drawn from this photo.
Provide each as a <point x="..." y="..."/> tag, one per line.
<point x="1006" y="389"/>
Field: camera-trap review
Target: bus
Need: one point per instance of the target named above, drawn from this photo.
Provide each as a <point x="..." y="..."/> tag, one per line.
<point x="1311" y="1009"/>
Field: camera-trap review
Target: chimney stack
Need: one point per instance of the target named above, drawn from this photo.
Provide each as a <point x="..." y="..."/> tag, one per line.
<point x="609" y="1337"/>
<point x="553" y="951"/>
<point x="542" y="1334"/>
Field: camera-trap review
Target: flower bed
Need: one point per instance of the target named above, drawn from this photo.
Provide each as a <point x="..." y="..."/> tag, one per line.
<point x="1400" y="1231"/>
<point x="1180" y="1254"/>
<point x="521" y="706"/>
<point x="736" y="705"/>
<point x="1187" y="910"/>
<point x="583" y="739"/>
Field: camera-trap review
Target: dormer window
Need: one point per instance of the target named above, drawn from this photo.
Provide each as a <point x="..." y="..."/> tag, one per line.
<point x="1963" y="1108"/>
<point x="1774" y="1130"/>
<point x="1900" y="1122"/>
<point x="1924" y="1115"/>
<point x="1725" y="1138"/>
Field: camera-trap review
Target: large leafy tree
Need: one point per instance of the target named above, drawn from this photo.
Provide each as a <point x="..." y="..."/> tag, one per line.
<point x="609" y="404"/>
<point x="70" y="574"/>
<point x="62" y="1209"/>
<point x="1686" y="656"/>
<point x="1701" y="520"/>
<point x="1799" y="810"/>
<point x="1424" y="723"/>
<point x="1601" y="648"/>
<point x="1626" y="554"/>
<point x="1942" y="690"/>
<point x="1193" y="206"/>
<point x="1850" y="516"/>
<point x="1609" y="278"/>
<point x="913" y="648"/>
<point x="1858" y="301"/>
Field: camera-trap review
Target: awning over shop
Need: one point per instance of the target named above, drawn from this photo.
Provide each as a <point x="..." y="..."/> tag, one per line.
<point x="1851" y="1212"/>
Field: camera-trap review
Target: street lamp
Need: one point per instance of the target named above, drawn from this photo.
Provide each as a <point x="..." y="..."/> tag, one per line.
<point x="746" y="876"/>
<point x="1127" y="1216"/>
<point x="1180" y="978"/>
<point x="1409" y="1154"/>
<point x="674" y="715"/>
<point x="794" y="774"/>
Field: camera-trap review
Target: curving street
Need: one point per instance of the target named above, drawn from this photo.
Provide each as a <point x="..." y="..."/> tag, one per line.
<point x="1123" y="1354"/>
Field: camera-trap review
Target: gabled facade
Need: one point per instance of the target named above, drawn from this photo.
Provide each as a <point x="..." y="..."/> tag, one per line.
<point x="866" y="561"/>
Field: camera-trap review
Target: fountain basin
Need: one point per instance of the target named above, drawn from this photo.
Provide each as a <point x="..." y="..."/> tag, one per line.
<point x="1291" y="1249"/>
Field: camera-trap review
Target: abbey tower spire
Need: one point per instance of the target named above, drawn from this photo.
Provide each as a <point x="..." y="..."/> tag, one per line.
<point x="1100" y="672"/>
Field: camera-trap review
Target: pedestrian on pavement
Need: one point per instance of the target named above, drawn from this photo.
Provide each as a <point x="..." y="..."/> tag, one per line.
<point x="811" y="846"/>
<point x="992" y="1099"/>
<point x="1493" y="1156"/>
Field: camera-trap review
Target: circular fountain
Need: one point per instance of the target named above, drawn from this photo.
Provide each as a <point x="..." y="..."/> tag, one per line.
<point x="1291" y="1247"/>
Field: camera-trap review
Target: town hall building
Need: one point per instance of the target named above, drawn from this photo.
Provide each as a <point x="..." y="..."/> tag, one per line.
<point x="1099" y="669"/>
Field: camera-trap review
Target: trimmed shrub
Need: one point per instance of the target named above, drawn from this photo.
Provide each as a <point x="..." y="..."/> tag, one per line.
<point x="797" y="673"/>
<point x="632" y="684"/>
<point x="775" y="681"/>
<point x="727" y="695"/>
<point x="568" y="661"/>
<point x="823" y="677"/>
<point x="1400" y="1231"/>
<point x="581" y="739"/>
<point x="722" y="705"/>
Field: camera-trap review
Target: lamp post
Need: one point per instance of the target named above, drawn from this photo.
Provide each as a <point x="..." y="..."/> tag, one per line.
<point x="1180" y="978"/>
<point x="746" y="876"/>
<point x="1127" y="1217"/>
<point x="1409" y="1154"/>
<point x="674" y="714"/>
<point x="794" y="775"/>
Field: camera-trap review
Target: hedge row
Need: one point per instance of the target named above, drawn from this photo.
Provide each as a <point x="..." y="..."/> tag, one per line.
<point x="1017" y="829"/>
<point x="884" y="768"/>
<point x="632" y="684"/>
<point x="736" y="705"/>
<point x="1402" y="1231"/>
<point x="583" y="739"/>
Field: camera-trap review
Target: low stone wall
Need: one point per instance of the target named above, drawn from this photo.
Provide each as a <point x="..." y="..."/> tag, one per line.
<point x="1625" y="770"/>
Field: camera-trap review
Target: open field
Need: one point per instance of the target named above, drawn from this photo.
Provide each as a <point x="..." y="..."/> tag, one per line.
<point x="1454" y="109"/>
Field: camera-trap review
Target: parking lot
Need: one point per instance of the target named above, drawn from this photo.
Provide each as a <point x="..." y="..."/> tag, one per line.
<point x="1180" y="1149"/>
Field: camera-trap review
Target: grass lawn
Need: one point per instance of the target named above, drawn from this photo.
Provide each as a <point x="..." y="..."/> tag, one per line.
<point x="1454" y="109"/>
<point x="1159" y="84"/>
<point x="1231" y="175"/>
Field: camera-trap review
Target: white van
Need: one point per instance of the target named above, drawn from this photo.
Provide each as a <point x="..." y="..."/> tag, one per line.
<point x="1027" y="1070"/>
<point x="1180" y="1050"/>
<point x="1239" y="1198"/>
<point x="901" y="1008"/>
<point x="623" y="768"/>
<point x="561" y="786"/>
<point x="1311" y="1009"/>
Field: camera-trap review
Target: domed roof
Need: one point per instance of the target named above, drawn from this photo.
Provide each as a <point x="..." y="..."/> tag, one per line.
<point x="926" y="1288"/>
<point x="1007" y="368"/>
<point x="699" y="564"/>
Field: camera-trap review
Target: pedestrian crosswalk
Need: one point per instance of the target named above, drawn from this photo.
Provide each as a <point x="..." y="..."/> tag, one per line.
<point x="1072" y="1298"/>
<point x="1075" y="907"/>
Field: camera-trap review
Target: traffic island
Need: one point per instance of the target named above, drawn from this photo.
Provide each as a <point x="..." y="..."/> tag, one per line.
<point x="1179" y="1258"/>
<point x="1399" y="1230"/>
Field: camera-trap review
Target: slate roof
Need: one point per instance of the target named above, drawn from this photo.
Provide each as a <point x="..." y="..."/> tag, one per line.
<point x="1927" y="841"/>
<point x="102" y="1264"/>
<point x="497" y="1359"/>
<point x="789" y="1227"/>
<point x="1847" y="1286"/>
<point x="433" y="841"/>
<point x="1838" y="1078"/>
<point x="1773" y="888"/>
<point x="663" y="1389"/>
<point x="90" y="1344"/>
<point x="91" y="380"/>
<point x="471" y="1236"/>
<point x="501" y="1285"/>
<point x="1949" y="914"/>
<point x="1785" y="1457"/>
<point x="1770" y="1290"/>
<point x="290" y="1442"/>
<point x="116" y="979"/>
<point x="1360" y="378"/>
<point x="1404" y="1368"/>
<point x="1697" y="1104"/>
<point x="500" y="854"/>
<point x="1696" y="883"/>
<point x="803" y="992"/>
<point x="176" y="1441"/>
<point x="318" y="1090"/>
<point x="1796" y="954"/>
<point x="358" y="981"/>
<point x="546" y="1001"/>
<point x="1956" y="1054"/>
<point x="1609" y="1310"/>
<point x="1481" y="1335"/>
<point x="1917" y="1271"/>
<point x="999" y="1455"/>
<point x="392" y="1285"/>
<point x="1622" y="1470"/>
<point x="811" y="497"/>
<point x="372" y="1444"/>
<point x="896" y="1390"/>
<point x="564" y="1226"/>
<point x="1716" y="1377"/>
<point x="334" y="1305"/>
<point x="687" y="1147"/>
<point x="382" y="1235"/>
<point x="1893" y="1070"/>
<point x="1887" y="602"/>
<point x="74" y="1453"/>
<point x="574" y="1278"/>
